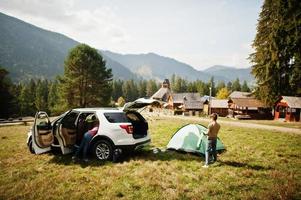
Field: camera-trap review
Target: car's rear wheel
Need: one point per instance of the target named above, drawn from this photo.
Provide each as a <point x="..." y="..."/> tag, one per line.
<point x="30" y="147"/>
<point x="103" y="150"/>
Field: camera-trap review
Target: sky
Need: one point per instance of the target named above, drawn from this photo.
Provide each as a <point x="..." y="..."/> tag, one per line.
<point x="200" y="33"/>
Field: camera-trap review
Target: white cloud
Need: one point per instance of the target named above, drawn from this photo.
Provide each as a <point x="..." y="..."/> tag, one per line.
<point x="98" y="27"/>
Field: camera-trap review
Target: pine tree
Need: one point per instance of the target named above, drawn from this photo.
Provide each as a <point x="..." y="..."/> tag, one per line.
<point x="117" y="89"/>
<point x="54" y="99"/>
<point x="229" y="86"/>
<point x="236" y="85"/>
<point x="202" y="88"/>
<point x="86" y="81"/>
<point x="27" y="98"/>
<point x="129" y="90"/>
<point x="277" y="58"/>
<point x="142" y="88"/>
<point x="7" y="98"/>
<point x="151" y="88"/>
<point x="41" y="100"/>
<point x="245" y="87"/>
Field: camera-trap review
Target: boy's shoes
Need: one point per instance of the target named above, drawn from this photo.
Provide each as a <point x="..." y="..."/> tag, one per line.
<point x="86" y="160"/>
<point x="205" y="166"/>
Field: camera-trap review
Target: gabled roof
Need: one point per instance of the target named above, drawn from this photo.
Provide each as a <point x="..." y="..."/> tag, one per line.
<point x="179" y="97"/>
<point x="248" y="102"/>
<point x="219" y="103"/>
<point x="238" y="94"/>
<point x="162" y="94"/>
<point x="292" y="102"/>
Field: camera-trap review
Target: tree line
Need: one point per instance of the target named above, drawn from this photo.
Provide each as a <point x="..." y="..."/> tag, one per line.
<point x="87" y="82"/>
<point x="25" y="99"/>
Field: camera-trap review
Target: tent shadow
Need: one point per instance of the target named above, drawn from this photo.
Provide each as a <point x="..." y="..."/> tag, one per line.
<point x="243" y="165"/>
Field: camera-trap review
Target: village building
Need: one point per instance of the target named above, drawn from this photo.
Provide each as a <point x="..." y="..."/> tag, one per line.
<point x="288" y="108"/>
<point x="219" y="106"/>
<point x="186" y="103"/>
<point x="243" y="105"/>
<point x="164" y="92"/>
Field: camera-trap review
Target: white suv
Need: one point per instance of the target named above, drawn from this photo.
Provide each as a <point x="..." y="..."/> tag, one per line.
<point x="125" y="129"/>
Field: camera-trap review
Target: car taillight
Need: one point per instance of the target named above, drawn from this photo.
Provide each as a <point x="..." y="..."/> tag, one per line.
<point x="128" y="128"/>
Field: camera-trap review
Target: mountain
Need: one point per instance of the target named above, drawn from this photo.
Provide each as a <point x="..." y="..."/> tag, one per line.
<point x="158" y="67"/>
<point x="231" y="73"/>
<point x="154" y="66"/>
<point x="27" y="51"/>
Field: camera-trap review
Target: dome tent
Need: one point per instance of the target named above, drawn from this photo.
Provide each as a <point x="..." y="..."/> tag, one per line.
<point x="192" y="138"/>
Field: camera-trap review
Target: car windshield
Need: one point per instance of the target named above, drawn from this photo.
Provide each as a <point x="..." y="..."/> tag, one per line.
<point x="116" y="117"/>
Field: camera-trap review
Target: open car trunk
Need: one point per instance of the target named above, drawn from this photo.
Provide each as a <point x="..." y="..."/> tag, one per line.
<point x="140" y="125"/>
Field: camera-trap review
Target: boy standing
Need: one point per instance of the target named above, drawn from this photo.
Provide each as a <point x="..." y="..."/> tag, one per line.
<point x="213" y="129"/>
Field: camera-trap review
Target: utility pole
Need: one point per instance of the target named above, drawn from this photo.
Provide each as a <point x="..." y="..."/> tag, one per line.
<point x="209" y="105"/>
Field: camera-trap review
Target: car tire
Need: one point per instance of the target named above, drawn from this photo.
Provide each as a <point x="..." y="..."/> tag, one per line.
<point x="30" y="147"/>
<point x="103" y="150"/>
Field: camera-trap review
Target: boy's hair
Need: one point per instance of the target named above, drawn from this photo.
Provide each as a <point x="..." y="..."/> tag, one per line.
<point x="213" y="116"/>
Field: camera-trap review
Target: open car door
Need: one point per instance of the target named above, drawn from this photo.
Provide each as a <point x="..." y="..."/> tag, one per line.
<point x="140" y="104"/>
<point x="42" y="133"/>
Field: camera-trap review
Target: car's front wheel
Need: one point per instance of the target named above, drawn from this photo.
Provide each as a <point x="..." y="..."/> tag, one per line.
<point x="103" y="150"/>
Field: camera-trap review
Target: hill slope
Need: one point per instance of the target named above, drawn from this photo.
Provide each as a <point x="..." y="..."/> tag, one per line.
<point x="231" y="73"/>
<point x="27" y="51"/>
<point x="157" y="67"/>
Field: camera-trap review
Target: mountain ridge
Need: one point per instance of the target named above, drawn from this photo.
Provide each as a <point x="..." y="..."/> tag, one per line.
<point x="28" y="51"/>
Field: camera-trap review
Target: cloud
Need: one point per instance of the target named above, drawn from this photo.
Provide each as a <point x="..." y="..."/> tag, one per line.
<point x="99" y="27"/>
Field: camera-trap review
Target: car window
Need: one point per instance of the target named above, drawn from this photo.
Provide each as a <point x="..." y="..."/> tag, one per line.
<point x="69" y="120"/>
<point x="116" y="117"/>
<point x="133" y="117"/>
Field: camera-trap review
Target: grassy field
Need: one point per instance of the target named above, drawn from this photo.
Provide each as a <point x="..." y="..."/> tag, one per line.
<point x="258" y="164"/>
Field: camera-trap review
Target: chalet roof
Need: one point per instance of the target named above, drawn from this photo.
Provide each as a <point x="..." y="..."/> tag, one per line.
<point x="293" y="102"/>
<point x="219" y="103"/>
<point x="248" y="102"/>
<point x="162" y="94"/>
<point x="195" y="105"/>
<point x="238" y="94"/>
<point x="179" y="97"/>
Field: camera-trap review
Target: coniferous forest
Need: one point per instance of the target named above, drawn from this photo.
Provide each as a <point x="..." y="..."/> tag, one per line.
<point x="24" y="99"/>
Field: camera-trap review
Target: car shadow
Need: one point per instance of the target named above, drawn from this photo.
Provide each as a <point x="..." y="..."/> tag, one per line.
<point x="150" y="155"/>
<point x="67" y="160"/>
<point x="143" y="154"/>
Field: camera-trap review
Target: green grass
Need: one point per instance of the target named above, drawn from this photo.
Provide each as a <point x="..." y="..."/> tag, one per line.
<point x="258" y="164"/>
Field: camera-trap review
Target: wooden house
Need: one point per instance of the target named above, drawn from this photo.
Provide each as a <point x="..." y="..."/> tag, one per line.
<point x="244" y="105"/>
<point x="288" y="108"/>
<point x="219" y="106"/>
<point x="186" y="103"/>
